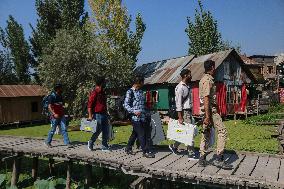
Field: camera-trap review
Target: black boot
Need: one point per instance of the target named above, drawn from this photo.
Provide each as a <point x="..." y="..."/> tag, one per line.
<point x="202" y="161"/>
<point x="221" y="163"/>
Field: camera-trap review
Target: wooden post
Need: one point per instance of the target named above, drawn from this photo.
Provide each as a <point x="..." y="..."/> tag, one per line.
<point x="35" y="168"/>
<point x="16" y="171"/>
<point x="68" y="175"/>
<point x="51" y="166"/>
<point x="88" y="172"/>
<point x="105" y="173"/>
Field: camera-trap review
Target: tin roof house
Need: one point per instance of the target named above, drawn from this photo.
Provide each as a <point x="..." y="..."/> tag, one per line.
<point x="230" y="77"/>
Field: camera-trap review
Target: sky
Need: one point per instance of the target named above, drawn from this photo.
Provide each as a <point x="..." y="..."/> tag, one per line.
<point x="256" y="25"/>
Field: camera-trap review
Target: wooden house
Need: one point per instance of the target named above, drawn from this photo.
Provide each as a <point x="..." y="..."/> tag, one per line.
<point x="21" y="103"/>
<point x="231" y="78"/>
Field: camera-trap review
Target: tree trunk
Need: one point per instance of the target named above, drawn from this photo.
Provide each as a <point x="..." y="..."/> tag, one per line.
<point x="88" y="171"/>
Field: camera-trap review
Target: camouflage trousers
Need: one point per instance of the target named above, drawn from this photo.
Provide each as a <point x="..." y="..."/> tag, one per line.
<point x="187" y="118"/>
<point x="221" y="135"/>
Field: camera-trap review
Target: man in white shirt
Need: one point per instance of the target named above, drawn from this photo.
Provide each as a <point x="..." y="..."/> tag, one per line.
<point x="183" y="101"/>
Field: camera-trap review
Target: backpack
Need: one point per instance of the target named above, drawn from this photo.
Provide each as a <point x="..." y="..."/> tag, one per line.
<point x="127" y="114"/>
<point x="45" y="104"/>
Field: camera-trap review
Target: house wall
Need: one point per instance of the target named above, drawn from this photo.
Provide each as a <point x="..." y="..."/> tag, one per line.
<point x="229" y="78"/>
<point x="165" y="94"/>
<point x="20" y="109"/>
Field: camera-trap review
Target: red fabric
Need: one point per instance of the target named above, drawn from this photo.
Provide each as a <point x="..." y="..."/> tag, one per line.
<point x="148" y="100"/>
<point x="97" y="101"/>
<point x="244" y="98"/>
<point x="58" y="109"/>
<point x="195" y="99"/>
<point x="221" y="93"/>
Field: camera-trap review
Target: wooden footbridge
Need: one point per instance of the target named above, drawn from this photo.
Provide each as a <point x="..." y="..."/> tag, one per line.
<point x="249" y="169"/>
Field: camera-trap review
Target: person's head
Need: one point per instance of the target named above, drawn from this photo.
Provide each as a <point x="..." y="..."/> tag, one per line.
<point x="100" y="81"/>
<point x="209" y="67"/>
<point x="185" y="75"/>
<point x="58" y="88"/>
<point x="138" y="82"/>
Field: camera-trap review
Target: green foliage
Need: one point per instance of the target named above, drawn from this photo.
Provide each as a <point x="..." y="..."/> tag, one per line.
<point x="112" y="26"/>
<point x="16" y="58"/>
<point x="203" y="34"/>
<point x="2" y="180"/>
<point x="7" y="75"/>
<point x="71" y="60"/>
<point x="54" y="15"/>
<point x="76" y="57"/>
<point x="262" y="118"/>
<point x="274" y="113"/>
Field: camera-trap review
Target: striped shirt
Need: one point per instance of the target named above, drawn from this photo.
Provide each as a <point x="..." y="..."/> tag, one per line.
<point x="135" y="102"/>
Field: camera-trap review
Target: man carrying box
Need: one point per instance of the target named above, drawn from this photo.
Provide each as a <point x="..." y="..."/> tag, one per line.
<point x="183" y="103"/>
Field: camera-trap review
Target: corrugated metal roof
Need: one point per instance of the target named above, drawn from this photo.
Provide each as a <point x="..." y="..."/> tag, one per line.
<point x="21" y="90"/>
<point x="167" y="71"/>
<point x="196" y="65"/>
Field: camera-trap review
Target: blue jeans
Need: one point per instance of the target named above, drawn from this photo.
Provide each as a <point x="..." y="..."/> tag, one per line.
<point x="102" y="126"/>
<point x="63" y="126"/>
<point x="138" y="132"/>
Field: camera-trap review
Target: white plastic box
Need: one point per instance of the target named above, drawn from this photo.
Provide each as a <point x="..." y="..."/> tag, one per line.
<point x="88" y="126"/>
<point x="183" y="133"/>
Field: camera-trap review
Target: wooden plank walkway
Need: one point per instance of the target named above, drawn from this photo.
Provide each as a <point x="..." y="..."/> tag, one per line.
<point x="249" y="169"/>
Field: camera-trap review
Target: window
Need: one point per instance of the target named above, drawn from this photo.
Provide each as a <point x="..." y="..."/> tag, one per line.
<point x="34" y="107"/>
<point x="270" y="69"/>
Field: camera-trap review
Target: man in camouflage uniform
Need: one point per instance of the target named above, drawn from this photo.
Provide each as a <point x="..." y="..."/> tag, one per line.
<point x="208" y="109"/>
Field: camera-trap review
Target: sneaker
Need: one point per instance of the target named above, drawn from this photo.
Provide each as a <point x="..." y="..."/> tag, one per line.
<point x="192" y="155"/>
<point x="173" y="149"/>
<point x="148" y="155"/>
<point x="129" y="152"/>
<point x="47" y="144"/>
<point x="106" y="149"/>
<point x="90" y="146"/>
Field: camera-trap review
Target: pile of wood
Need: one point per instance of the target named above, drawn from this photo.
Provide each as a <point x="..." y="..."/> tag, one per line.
<point x="281" y="137"/>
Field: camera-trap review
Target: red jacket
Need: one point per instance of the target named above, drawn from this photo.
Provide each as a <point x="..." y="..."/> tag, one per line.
<point x="97" y="101"/>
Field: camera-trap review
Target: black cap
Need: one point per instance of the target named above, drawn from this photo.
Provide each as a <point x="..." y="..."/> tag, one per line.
<point x="57" y="86"/>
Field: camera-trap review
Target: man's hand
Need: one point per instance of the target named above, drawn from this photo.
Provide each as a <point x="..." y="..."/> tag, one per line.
<point x="89" y="118"/>
<point x="207" y="121"/>
<point x="180" y="120"/>
<point x="56" y="116"/>
<point x="137" y="113"/>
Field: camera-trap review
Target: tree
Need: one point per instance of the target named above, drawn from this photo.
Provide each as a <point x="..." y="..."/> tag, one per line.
<point x="203" y="34"/>
<point x="6" y="70"/>
<point x="19" y="51"/>
<point x="54" y="15"/>
<point x="71" y="59"/>
<point x="120" y="45"/>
